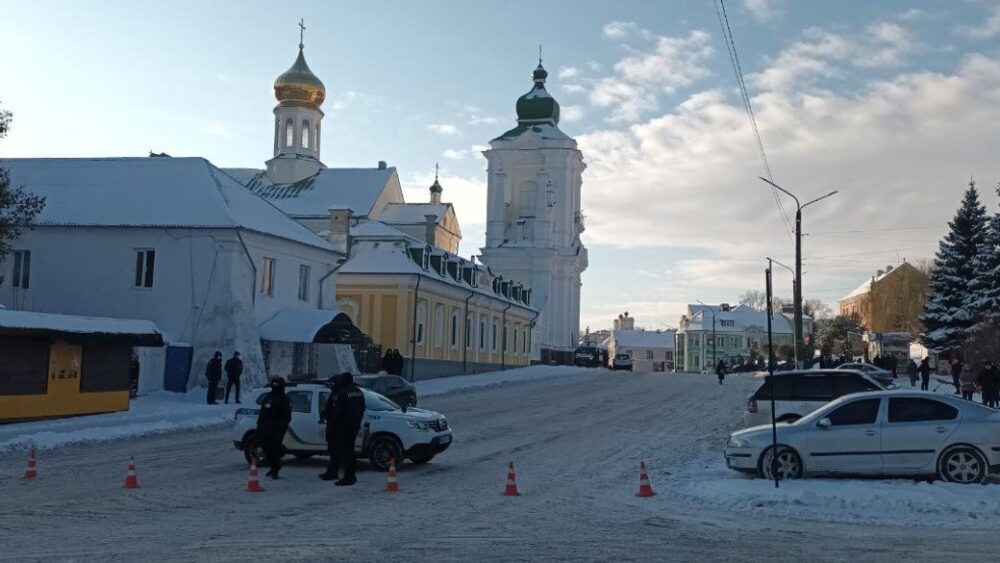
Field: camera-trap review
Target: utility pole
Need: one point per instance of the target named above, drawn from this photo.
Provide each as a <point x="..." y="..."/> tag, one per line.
<point x="797" y="293"/>
<point x="795" y="337"/>
<point x="770" y="373"/>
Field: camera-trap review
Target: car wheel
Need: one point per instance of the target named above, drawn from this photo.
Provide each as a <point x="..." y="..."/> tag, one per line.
<point x="962" y="464"/>
<point x="788" y="464"/>
<point x="382" y="450"/>
<point x="253" y="447"/>
<point x="424" y="459"/>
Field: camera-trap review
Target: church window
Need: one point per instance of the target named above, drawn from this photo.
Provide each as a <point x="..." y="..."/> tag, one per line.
<point x="515" y="339"/>
<point x="454" y="330"/>
<point x="524" y="341"/>
<point x="316" y="139"/>
<point x="494" y="336"/>
<point x="468" y="332"/>
<point x="421" y="319"/>
<point x="22" y="268"/>
<point x="304" y="272"/>
<point x="289" y="133"/>
<point x="145" y="259"/>
<point x="438" y="326"/>
<point x="267" y="277"/>
<point x="482" y="335"/>
<point x="305" y="133"/>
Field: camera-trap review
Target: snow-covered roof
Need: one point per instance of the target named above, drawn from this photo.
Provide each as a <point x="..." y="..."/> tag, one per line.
<point x="742" y="317"/>
<point x="356" y="188"/>
<point x="644" y="338"/>
<point x="867" y="285"/>
<point x="378" y="229"/>
<point x="56" y="323"/>
<point x="296" y="325"/>
<point x="545" y="131"/>
<point x="148" y="192"/>
<point x="412" y="212"/>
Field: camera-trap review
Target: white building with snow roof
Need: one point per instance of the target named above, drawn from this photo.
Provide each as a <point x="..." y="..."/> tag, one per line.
<point x="179" y="242"/>
<point x="650" y="350"/>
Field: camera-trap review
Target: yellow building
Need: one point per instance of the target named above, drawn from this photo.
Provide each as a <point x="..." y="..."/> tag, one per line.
<point x="445" y="315"/>
<point x="891" y="301"/>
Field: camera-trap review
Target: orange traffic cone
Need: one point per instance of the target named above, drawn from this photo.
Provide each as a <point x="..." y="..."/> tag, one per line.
<point x="644" y="489"/>
<point x="511" y="489"/>
<point x="131" y="481"/>
<point x="253" y="485"/>
<point x="392" y="486"/>
<point x="31" y="472"/>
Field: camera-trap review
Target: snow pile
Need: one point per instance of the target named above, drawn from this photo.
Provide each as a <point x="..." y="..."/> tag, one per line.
<point x="155" y="413"/>
<point x="899" y="502"/>
<point x="163" y="411"/>
<point x="492" y="379"/>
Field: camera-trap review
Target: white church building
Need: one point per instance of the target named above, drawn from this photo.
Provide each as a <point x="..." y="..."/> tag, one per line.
<point x="534" y="218"/>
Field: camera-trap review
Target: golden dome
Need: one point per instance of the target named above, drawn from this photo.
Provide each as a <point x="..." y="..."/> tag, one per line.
<point x="298" y="85"/>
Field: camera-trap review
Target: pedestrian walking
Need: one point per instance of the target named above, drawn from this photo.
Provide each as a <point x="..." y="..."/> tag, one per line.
<point x="387" y="362"/>
<point x="234" y="369"/>
<point x="213" y="373"/>
<point x="397" y="362"/>
<point x="967" y="383"/>
<point x="720" y="370"/>
<point x="956" y="373"/>
<point x="989" y="382"/>
<point x="925" y="373"/>
<point x="911" y="372"/>
<point x="345" y="415"/>
<point x="272" y="423"/>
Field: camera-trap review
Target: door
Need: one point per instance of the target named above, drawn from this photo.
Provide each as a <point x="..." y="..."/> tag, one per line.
<point x="64" y="377"/>
<point x="851" y="443"/>
<point x="177" y="368"/>
<point x="914" y="430"/>
<point x="305" y="427"/>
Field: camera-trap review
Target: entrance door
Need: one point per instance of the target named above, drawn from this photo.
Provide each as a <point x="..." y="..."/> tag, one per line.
<point x="177" y="368"/>
<point x="64" y="376"/>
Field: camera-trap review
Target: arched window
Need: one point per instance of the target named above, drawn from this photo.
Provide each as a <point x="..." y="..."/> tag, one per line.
<point x="316" y="139"/>
<point x="305" y="133"/>
<point x="438" y="326"/>
<point x="289" y="133"/>
<point x="468" y="332"/>
<point x="515" y="339"/>
<point x="421" y="320"/>
<point x="524" y="341"/>
<point x="454" y="330"/>
<point x="494" y="336"/>
<point x="482" y="335"/>
<point x="277" y="133"/>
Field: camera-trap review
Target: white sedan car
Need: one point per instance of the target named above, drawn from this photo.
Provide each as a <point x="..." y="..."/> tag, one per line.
<point x="387" y="430"/>
<point x="881" y="433"/>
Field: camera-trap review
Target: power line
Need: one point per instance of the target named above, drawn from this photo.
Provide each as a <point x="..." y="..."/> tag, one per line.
<point x="875" y="230"/>
<point x="734" y="58"/>
<point x="867" y="253"/>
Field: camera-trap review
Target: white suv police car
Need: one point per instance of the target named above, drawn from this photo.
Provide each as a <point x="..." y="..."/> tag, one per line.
<point x="387" y="431"/>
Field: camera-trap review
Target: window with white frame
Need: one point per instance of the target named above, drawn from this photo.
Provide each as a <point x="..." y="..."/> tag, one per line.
<point x="289" y="133"/>
<point x="267" y="277"/>
<point x="421" y="320"/>
<point x="304" y="275"/>
<point x="468" y="332"/>
<point x="482" y="335"/>
<point x="494" y="336"/>
<point x="305" y="133"/>
<point x="438" y="326"/>
<point x="22" y="269"/>
<point x="454" y="329"/>
<point x="145" y="262"/>
<point x="515" y="339"/>
<point x="649" y="354"/>
<point x="524" y="341"/>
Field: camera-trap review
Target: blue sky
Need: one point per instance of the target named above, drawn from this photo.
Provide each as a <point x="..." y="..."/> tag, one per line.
<point x="893" y="103"/>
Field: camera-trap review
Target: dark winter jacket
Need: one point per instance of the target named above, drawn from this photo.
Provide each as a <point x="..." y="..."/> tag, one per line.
<point x="349" y="407"/>
<point x="387" y="363"/>
<point x="989" y="378"/>
<point x="275" y="413"/>
<point x="911" y="369"/>
<point x="213" y="371"/>
<point x="234" y="368"/>
<point x="925" y="370"/>
<point x="956" y="369"/>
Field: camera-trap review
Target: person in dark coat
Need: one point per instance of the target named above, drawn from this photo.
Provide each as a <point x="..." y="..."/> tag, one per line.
<point x="911" y="372"/>
<point x="925" y="373"/>
<point x="397" y="362"/>
<point x="272" y="423"/>
<point x="234" y="369"/>
<point x="387" y="362"/>
<point x="213" y="373"/>
<point x="989" y="381"/>
<point x="327" y="417"/>
<point x="956" y="373"/>
<point x="346" y="415"/>
<point x="720" y="370"/>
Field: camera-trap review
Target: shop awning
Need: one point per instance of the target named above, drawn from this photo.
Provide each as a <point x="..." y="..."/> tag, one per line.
<point x="324" y="326"/>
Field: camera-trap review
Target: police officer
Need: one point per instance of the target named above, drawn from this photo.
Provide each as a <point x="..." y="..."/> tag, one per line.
<point x="233" y="369"/>
<point x="272" y="423"/>
<point x="346" y="416"/>
<point x="327" y="415"/>
<point x="213" y="373"/>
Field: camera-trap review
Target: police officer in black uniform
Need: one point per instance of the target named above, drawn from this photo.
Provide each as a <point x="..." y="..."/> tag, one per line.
<point x="327" y="415"/>
<point x="343" y="424"/>
<point x="272" y="423"/>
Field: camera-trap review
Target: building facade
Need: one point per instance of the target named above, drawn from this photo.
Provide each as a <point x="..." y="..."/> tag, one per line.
<point x="650" y="350"/>
<point x="892" y="301"/>
<point x="708" y="333"/>
<point x="534" y="218"/>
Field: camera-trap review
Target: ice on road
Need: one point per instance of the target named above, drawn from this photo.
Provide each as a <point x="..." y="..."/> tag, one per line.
<point x="576" y="442"/>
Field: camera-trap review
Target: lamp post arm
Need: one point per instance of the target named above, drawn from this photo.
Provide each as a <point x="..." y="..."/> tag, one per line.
<point x="834" y="192"/>
<point x="783" y="190"/>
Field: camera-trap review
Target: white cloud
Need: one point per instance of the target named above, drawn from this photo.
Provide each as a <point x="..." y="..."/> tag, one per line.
<point x="568" y="72"/>
<point x="454" y="154"/>
<point x="468" y="195"/>
<point x="573" y="88"/>
<point x="988" y="29"/>
<point x="620" y="30"/>
<point x="443" y="129"/>
<point x="461" y="154"/>
<point x="569" y="114"/>
<point x="764" y="10"/>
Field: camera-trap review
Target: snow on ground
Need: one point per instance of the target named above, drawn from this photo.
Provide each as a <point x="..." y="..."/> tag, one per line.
<point x="163" y="411"/>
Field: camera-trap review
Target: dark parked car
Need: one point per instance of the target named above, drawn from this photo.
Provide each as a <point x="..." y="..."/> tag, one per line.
<point x="399" y="390"/>
<point x="587" y="356"/>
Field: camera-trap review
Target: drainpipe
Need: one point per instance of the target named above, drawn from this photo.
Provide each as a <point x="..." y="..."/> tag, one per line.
<point x="503" y="335"/>
<point x="340" y="264"/>
<point x="413" y="341"/>
<point x="465" y="340"/>
<point x="253" y="291"/>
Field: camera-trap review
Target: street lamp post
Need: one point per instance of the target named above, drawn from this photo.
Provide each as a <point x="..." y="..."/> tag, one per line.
<point x="714" y="359"/>
<point x="795" y="337"/>
<point x="797" y="293"/>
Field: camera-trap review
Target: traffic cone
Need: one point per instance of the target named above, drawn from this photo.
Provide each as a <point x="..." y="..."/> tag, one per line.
<point x="392" y="486"/>
<point x="31" y="472"/>
<point x="253" y="485"/>
<point x="644" y="489"/>
<point x="131" y="481"/>
<point x="511" y="489"/>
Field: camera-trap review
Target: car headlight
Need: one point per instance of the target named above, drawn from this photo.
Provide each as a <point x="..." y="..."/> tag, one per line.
<point x="418" y="425"/>
<point x="735" y="442"/>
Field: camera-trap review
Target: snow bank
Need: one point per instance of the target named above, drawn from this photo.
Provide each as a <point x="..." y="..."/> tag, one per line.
<point x="900" y="502"/>
<point x="163" y="411"/>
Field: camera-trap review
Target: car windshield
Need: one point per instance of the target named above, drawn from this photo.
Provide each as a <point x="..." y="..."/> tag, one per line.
<point x="825" y="410"/>
<point x="376" y="402"/>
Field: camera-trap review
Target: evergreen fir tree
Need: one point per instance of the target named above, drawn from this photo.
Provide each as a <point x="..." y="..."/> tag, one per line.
<point x="985" y="286"/>
<point x="948" y="315"/>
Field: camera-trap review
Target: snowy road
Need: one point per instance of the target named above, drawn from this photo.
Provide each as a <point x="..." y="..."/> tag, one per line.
<point x="577" y="442"/>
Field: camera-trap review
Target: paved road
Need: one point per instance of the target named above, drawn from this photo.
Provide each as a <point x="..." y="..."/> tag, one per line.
<point x="576" y="441"/>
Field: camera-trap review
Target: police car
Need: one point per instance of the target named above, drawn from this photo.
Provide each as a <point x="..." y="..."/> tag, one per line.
<point x="387" y="430"/>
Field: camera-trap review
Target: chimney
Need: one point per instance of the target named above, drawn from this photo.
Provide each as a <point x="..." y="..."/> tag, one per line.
<point x="879" y="273"/>
<point x="430" y="228"/>
<point x="888" y="268"/>
<point x="340" y="227"/>
<point x="382" y="165"/>
<point x="724" y="307"/>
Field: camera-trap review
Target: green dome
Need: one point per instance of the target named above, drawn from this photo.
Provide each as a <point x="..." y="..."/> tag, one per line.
<point x="537" y="106"/>
<point x="436" y="187"/>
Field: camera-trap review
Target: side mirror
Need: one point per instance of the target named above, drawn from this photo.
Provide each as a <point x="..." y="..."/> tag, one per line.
<point x="824" y="423"/>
